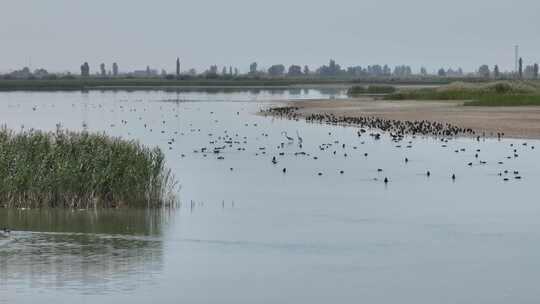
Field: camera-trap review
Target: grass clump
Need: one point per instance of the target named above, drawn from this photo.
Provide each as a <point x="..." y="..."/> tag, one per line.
<point x="372" y="89"/>
<point x="80" y="170"/>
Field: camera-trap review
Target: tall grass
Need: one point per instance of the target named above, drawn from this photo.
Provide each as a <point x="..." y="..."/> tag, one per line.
<point x="80" y="170"/>
<point x="502" y="90"/>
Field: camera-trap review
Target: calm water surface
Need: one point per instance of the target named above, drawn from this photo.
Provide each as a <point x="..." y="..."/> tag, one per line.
<point x="256" y="235"/>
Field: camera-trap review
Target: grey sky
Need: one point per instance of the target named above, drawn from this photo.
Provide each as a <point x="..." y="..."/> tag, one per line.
<point x="60" y="34"/>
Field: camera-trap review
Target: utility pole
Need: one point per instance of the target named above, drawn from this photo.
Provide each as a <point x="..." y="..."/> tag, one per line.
<point x="516" y="59"/>
<point x="520" y="62"/>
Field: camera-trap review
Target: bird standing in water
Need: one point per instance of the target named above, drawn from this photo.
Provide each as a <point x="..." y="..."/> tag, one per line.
<point x="287" y="136"/>
<point x="5" y="233"/>
<point x="300" y="139"/>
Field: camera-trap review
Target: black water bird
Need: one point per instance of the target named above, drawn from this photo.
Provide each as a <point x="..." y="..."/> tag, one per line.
<point x="5" y="232"/>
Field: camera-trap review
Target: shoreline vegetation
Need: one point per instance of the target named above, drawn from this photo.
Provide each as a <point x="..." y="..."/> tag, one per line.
<point x="357" y="90"/>
<point x="493" y="94"/>
<point x="84" y="83"/>
<point x="83" y="170"/>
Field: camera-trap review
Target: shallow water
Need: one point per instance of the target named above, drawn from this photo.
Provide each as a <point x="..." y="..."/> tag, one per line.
<point x="256" y="235"/>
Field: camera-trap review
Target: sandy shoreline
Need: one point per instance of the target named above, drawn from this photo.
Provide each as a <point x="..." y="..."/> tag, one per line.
<point x="515" y="122"/>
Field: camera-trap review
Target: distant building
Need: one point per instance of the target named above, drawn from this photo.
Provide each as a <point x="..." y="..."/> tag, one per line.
<point x="145" y="73"/>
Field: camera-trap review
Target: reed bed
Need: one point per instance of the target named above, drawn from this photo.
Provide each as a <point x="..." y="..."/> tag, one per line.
<point x="65" y="169"/>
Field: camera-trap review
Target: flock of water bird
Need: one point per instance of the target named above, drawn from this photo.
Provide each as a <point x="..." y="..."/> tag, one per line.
<point x="397" y="130"/>
<point x="401" y="133"/>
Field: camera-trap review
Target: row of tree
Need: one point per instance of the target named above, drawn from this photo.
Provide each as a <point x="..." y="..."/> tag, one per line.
<point x="294" y="70"/>
<point x="530" y="71"/>
<point x="332" y="69"/>
<point x="85" y="69"/>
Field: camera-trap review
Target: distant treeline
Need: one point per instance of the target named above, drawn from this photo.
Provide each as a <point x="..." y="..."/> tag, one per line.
<point x="294" y="72"/>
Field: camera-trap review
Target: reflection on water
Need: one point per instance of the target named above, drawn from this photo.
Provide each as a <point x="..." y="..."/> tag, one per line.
<point x="92" y="251"/>
<point x="244" y="92"/>
<point x="136" y="222"/>
<point x="252" y="94"/>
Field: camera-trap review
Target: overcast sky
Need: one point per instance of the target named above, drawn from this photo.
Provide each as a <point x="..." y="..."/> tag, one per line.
<point x="60" y="34"/>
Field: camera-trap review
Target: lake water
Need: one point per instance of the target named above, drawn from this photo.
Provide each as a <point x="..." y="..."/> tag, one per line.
<point x="246" y="232"/>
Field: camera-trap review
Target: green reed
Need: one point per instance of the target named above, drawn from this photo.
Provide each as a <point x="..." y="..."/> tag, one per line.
<point x="65" y="169"/>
